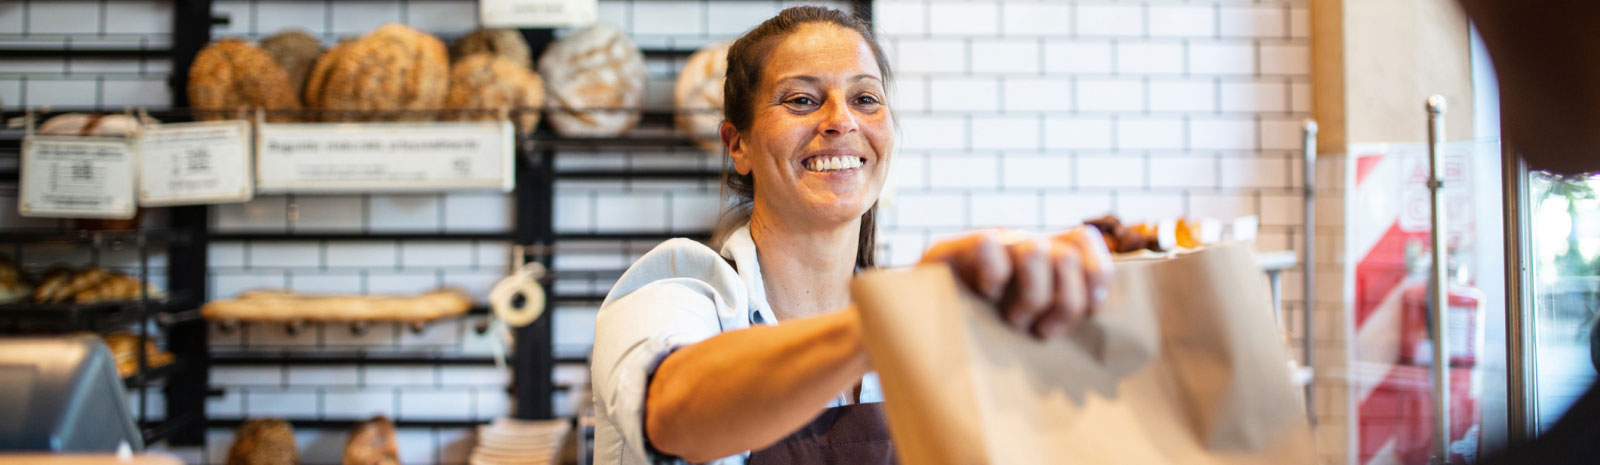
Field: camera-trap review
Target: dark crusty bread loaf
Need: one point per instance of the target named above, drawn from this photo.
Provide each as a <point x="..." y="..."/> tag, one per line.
<point x="504" y="43"/>
<point x="295" y="51"/>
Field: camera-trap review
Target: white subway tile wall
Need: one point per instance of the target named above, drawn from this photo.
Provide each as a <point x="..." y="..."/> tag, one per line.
<point x="1021" y="113"/>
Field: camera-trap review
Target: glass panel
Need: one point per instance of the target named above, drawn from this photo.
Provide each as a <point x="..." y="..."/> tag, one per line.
<point x="1565" y="242"/>
<point x="1390" y="220"/>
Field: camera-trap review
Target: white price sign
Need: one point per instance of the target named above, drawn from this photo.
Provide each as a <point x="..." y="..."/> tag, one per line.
<point x="393" y="157"/>
<point x="537" y="13"/>
<point x="77" y="177"/>
<point x="194" y="163"/>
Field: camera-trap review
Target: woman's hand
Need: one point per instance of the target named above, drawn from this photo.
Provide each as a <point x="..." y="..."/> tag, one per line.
<point x="1042" y="285"/>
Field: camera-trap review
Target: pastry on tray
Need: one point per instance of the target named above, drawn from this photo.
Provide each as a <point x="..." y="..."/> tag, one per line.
<point x="292" y="307"/>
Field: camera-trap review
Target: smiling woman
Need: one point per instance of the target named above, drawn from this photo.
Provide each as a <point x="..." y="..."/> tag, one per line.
<point x="806" y="35"/>
<point x="753" y="353"/>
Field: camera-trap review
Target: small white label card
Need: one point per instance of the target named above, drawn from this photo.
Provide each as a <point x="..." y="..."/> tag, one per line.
<point x="391" y="157"/>
<point x="195" y="163"/>
<point x="77" y="177"/>
<point x="537" y="13"/>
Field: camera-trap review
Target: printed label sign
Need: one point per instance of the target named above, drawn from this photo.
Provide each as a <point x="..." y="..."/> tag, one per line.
<point x="77" y="177"/>
<point x="392" y="157"/>
<point x="537" y="13"/>
<point x="195" y="163"/>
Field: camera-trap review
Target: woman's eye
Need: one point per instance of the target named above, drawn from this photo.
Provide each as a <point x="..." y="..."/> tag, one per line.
<point x="866" y="100"/>
<point x="803" y="101"/>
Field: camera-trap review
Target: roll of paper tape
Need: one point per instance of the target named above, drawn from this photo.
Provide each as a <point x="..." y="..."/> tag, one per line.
<point x="518" y="299"/>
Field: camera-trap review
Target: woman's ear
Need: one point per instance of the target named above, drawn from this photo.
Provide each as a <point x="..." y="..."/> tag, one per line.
<point x="735" y="144"/>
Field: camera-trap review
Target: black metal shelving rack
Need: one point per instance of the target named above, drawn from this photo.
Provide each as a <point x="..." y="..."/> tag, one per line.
<point x="533" y="358"/>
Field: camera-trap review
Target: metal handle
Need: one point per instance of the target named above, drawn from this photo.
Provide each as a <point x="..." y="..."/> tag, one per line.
<point x="1309" y="267"/>
<point x="1438" y="284"/>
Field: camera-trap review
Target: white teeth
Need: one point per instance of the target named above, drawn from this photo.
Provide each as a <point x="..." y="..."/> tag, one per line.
<point x="839" y="163"/>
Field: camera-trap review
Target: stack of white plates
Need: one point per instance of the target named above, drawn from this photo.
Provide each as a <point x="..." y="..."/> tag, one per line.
<point x="507" y="441"/>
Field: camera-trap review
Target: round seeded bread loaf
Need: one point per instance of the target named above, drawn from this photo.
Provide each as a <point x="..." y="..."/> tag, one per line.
<point x="595" y="79"/>
<point x="505" y="43"/>
<point x="487" y="81"/>
<point x="231" y="74"/>
<point x="319" y="73"/>
<point x="392" y="68"/>
<point x="295" y="51"/>
<point x="698" y="95"/>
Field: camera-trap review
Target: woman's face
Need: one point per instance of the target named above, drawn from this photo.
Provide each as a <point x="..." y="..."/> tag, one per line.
<point x="821" y="138"/>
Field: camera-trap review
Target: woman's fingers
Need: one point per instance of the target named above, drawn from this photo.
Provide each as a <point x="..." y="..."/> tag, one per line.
<point x="1095" y="267"/>
<point x="980" y="260"/>
<point x="1029" y="295"/>
<point x="1070" y="300"/>
<point x="1041" y="286"/>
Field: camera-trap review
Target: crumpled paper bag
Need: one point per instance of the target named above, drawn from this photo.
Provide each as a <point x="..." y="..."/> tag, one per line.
<point x="1183" y="364"/>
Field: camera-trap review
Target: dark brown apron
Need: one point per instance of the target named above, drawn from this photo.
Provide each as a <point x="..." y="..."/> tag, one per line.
<point x="852" y="434"/>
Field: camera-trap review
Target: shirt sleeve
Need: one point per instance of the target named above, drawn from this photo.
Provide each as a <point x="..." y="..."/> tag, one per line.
<point x="633" y="334"/>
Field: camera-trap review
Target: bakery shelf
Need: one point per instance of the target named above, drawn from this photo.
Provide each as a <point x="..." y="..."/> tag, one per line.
<point x="353" y="357"/>
<point x="642" y="174"/>
<point x="151" y="376"/>
<point x="96" y="238"/>
<point x="93" y="317"/>
<point x="156" y="431"/>
<point x="632" y="236"/>
<point x="361" y="236"/>
<point x="303" y="423"/>
<point x="35" y="52"/>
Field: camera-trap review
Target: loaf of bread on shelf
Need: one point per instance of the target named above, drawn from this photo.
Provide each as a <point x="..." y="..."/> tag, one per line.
<point x="372" y="442"/>
<point x="91" y="124"/>
<point x="595" y="80"/>
<point x="296" y="52"/>
<point x="124" y="347"/>
<point x="319" y="74"/>
<point x="393" y="69"/>
<point x="232" y="74"/>
<point x="263" y="442"/>
<point x="284" y="306"/>
<point x="697" y="97"/>
<point x="119" y="286"/>
<point x="485" y="81"/>
<point x="12" y="287"/>
<point x="63" y="287"/>
<point x="503" y="43"/>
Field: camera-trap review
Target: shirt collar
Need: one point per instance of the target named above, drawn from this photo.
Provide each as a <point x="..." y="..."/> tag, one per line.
<point x="741" y="248"/>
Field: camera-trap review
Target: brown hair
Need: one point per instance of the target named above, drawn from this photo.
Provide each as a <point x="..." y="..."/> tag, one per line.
<point x="746" y="57"/>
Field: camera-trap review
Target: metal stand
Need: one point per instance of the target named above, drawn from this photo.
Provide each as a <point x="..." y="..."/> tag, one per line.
<point x="1309" y="265"/>
<point x="1439" y="283"/>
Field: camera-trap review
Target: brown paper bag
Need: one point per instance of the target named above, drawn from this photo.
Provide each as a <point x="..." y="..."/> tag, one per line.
<point x="1183" y="365"/>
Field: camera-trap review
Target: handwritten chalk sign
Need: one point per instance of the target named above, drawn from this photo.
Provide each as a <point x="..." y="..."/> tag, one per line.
<point x="77" y="177"/>
<point x="537" y="13"/>
<point x="195" y="163"/>
<point x="389" y="157"/>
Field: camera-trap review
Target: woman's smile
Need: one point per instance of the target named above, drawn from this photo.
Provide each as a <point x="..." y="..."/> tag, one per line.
<point x="833" y="162"/>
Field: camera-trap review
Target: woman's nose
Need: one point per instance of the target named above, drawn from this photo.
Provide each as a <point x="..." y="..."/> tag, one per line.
<point x="837" y="119"/>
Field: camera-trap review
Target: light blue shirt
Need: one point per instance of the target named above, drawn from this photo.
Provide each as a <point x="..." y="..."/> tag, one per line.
<point x="678" y="294"/>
